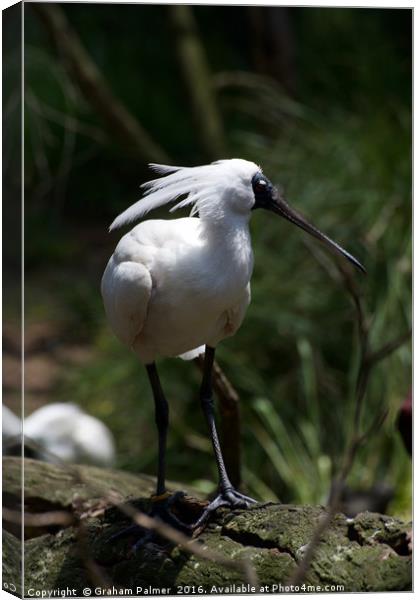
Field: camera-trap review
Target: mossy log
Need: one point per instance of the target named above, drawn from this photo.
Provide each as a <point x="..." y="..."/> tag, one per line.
<point x="368" y="553"/>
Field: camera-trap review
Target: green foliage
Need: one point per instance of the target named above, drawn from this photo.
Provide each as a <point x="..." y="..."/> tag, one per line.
<point x="341" y="151"/>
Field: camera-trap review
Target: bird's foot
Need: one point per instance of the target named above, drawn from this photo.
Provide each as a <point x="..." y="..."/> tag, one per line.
<point x="176" y="510"/>
<point x="138" y="534"/>
<point x="166" y="508"/>
<point x="227" y="497"/>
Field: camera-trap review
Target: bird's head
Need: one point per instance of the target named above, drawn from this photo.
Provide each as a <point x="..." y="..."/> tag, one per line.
<point x="268" y="197"/>
<point x="223" y="190"/>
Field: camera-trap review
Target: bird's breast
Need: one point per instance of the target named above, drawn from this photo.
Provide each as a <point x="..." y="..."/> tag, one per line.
<point x="220" y="276"/>
<point x="196" y="289"/>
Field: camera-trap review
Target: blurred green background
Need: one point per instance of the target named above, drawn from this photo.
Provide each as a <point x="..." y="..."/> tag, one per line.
<point x="321" y="98"/>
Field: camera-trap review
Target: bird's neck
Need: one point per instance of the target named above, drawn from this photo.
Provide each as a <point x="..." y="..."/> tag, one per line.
<point x="226" y="230"/>
<point x="229" y="240"/>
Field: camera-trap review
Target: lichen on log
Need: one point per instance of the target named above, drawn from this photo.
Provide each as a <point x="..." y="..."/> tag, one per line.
<point x="368" y="553"/>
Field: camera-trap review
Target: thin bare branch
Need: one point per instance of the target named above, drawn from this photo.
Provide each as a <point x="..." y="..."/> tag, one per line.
<point x="196" y="73"/>
<point x="94" y="86"/>
<point x="96" y="573"/>
<point x="388" y="348"/>
<point x="62" y="518"/>
<point x="189" y="545"/>
<point x="335" y="496"/>
<point x="368" y="360"/>
<point x="66" y="120"/>
<point x="244" y="565"/>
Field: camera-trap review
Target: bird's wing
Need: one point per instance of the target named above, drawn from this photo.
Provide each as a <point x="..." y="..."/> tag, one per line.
<point x="126" y="290"/>
<point x="160" y="233"/>
<point x="128" y="279"/>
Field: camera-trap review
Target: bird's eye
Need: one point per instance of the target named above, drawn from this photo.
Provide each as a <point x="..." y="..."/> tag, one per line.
<point x="261" y="187"/>
<point x="261" y="184"/>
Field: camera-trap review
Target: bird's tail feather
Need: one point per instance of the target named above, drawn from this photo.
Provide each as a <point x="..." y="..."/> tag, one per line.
<point x="192" y="353"/>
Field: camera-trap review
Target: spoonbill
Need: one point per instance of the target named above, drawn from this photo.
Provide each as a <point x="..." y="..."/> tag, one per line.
<point x="178" y="287"/>
<point x="62" y="431"/>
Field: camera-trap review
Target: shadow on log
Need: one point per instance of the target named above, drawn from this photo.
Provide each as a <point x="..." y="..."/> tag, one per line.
<point x="371" y="552"/>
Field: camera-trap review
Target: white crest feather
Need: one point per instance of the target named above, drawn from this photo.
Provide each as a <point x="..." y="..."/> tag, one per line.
<point x="197" y="184"/>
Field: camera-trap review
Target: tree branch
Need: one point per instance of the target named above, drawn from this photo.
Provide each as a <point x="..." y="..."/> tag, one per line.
<point x="367" y="361"/>
<point x="95" y="87"/>
<point x="196" y="74"/>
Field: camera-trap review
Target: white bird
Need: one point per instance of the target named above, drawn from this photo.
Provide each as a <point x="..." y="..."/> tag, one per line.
<point x="63" y="431"/>
<point x="178" y="287"/>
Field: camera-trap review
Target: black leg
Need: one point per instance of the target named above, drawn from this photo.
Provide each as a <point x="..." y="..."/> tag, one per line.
<point x="162" y="501"/>
<point x="207" y="404"/>
<point x="162" y="421"/>
<point x="227" y="496"/>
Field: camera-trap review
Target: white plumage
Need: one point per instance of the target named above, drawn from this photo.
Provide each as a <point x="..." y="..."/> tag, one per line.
<point x="62" y="430"/>
<point x="178" y="287"/>
<point x="173" y="286"/>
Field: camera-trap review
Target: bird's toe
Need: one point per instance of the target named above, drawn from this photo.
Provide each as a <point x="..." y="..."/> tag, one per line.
<point x="227" y="498"/>
<point x="247" y="499"/>
<point x="238" y="500"/>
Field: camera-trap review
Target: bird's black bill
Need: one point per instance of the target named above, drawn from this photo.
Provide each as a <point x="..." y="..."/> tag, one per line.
<point x="282" y="208"/>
